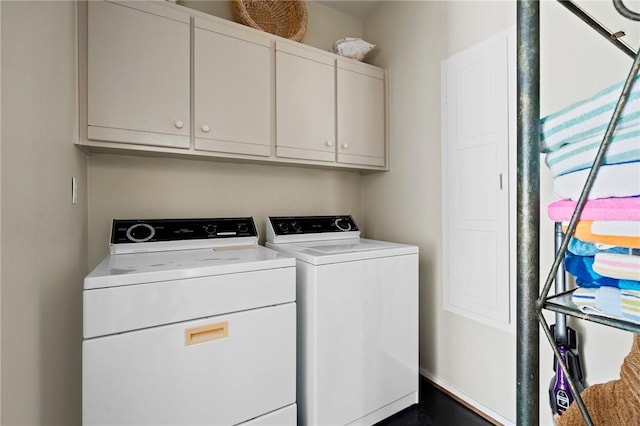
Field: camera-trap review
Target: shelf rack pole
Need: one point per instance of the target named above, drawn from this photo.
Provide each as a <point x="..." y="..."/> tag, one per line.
<point x="528" y="208"/>
<point x="600" y="29"/>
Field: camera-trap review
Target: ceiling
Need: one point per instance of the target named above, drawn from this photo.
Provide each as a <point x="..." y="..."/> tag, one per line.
<point x="359" y="8"/>
<point x="602" y="10"/>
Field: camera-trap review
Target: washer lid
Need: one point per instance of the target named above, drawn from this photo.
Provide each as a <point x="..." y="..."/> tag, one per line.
<point x="138" y="268"/>
<point x="325" y="252"/>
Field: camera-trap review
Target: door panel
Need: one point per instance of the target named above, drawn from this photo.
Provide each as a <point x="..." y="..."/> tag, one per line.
<point x="475" y="150"/>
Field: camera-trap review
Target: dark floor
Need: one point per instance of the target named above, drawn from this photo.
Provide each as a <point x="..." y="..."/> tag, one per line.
<point x="435" y="409"/>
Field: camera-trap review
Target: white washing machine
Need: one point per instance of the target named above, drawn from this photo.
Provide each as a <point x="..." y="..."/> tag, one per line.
<point x="357" y="305"/>
<point x="189" y="322"/>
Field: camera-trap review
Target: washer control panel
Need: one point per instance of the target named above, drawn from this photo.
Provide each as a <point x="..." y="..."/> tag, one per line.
<point x="292" y="225"/>
<point x="157" y="230"/>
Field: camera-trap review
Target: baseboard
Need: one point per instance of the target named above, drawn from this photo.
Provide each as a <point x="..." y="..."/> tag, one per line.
<point x="468" y="402"/>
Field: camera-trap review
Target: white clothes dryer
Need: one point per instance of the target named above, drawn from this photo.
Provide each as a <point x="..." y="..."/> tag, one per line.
<point x="189" y="322"/>
<point x="357" y="305"/>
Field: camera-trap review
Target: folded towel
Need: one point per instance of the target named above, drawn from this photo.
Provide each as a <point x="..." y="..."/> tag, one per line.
<point x="624" y="148"/>
<point x="584" y="232"/>
<point x="583" y="248"/>
<point x="620" y="228"/>
<point x="630" y="304"/>
<point x="589" y="117"/>
<point x="616" y="180"/>
<point x="602" y="300"/>
<point x="621" y="284"/>
<point x="584" y="298"/>
<point x="627" y="208"/>
<point x="581" y="267"/>
<point x="620" y="266"/>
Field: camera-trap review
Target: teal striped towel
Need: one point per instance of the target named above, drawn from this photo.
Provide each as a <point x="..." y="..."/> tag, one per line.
<point x="589" y="118"/>
<point x="624" y="148"/>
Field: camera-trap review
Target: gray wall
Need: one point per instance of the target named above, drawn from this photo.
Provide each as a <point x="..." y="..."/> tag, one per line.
<point x="44" y="236"/>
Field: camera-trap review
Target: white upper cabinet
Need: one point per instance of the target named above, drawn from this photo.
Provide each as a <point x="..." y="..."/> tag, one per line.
<point x="232" y="90"/>
<point x="361" y="113"/>
<point x="305" y="103"/>
<point x="138" y="74"/>
<point x="164" y="80"/>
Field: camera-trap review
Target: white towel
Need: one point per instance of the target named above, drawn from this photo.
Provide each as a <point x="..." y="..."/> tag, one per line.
<point x="619" y="228"/>
<point x="616" y="180"/>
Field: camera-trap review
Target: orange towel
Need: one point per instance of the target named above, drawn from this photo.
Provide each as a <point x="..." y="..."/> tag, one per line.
<point x="583" y="233"/>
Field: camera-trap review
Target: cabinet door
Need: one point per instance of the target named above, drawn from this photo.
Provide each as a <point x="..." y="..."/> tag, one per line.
<point x="138" y="74"/>
<point x="361" y="114"/>
<point x="232" y="90"/>
<point x="305" y="104"/>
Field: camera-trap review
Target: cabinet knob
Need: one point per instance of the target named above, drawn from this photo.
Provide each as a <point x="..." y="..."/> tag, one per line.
<point x="179" y="124"/>
<point x="205" y="128"/>
<point x="329" y="143"/>
<point x="345" y="145"/>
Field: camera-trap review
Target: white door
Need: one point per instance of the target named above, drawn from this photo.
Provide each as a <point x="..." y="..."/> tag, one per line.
<point x="138" y="74"/>
<point x="232" y="90"/>
<point x="475" y="150"/>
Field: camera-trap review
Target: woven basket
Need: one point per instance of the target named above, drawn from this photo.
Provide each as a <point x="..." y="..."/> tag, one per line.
<point x="285" y="18"/>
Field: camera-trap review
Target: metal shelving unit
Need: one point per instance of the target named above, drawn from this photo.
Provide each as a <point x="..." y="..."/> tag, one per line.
<point x="532" y="302"/>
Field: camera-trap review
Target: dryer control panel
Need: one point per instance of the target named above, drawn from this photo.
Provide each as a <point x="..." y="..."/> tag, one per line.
<point x="292" y="225"/>
<point x="150" y="235"/>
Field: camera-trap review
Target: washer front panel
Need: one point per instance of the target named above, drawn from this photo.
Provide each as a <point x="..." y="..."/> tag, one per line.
<point x="118" y="309"/>
<point x="154" y="377"/>
<point x="358" y="333"/>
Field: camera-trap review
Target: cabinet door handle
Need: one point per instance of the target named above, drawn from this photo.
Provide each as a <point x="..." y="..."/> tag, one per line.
<point x="205" y="128"/>
<point x="329" y="143"/>
<point x="179" y="124"/>
<point x="206" y="333"/>
<point x="345" y="145"/>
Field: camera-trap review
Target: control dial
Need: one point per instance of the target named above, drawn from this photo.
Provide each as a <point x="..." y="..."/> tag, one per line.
<point x="284" y="226"/>
<point x="242" y="228"/>
<point x="210" y="230"/>
<point x="140" y="232"/>
<point x="343" y="224"/>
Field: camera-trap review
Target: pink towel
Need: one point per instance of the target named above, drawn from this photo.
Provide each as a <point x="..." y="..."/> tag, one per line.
<point x="620" y="266"/>
<point x="627" y="208"/>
